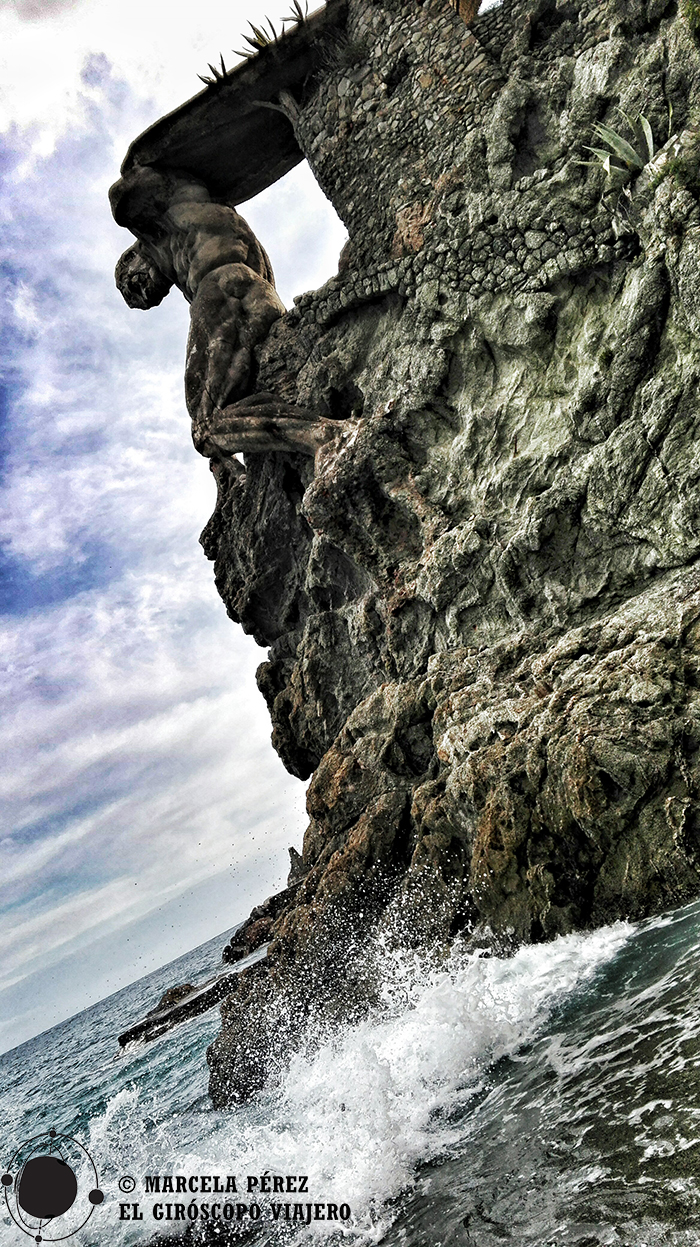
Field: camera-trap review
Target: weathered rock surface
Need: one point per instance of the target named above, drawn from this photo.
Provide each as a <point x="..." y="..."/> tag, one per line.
<point x="179" y="1004"/>
<point x="257" y="927"/>
<point x="482" y="600"/>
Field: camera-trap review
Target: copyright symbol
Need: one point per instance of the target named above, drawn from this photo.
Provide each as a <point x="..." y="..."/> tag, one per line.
<point x="127" y="1185"/>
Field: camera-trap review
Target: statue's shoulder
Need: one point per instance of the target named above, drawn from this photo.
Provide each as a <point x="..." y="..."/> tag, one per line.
<point x="206" y="215"/>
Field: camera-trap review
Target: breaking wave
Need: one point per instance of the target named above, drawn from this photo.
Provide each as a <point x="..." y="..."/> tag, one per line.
<point x="544" y="1097"/>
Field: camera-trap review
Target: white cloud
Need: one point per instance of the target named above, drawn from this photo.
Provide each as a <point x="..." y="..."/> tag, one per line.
<point x="24" y="308"/>
<point x="33" y="10"/>
<point x="137" y="763"/>
<point x="157" y="49"/>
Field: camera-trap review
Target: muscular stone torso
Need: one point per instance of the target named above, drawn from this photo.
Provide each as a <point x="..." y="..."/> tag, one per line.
<point x="202" y="237"/>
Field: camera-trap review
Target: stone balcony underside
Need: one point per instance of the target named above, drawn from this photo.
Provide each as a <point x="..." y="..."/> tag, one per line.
<point x="228" y="135"/>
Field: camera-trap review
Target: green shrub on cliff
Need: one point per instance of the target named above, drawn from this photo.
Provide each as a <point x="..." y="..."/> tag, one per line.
<point x="686" y="171"/>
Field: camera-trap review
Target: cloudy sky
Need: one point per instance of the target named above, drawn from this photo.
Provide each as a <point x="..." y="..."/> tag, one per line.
<point x="142" y="807"/>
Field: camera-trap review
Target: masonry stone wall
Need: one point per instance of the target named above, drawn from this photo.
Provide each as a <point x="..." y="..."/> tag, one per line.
<point x="395" y="135"/>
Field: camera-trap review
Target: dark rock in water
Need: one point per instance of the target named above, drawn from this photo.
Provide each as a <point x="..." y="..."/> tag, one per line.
<point x="479" y="578"/>
<point x="255" y="933"/>
<point x="197" y="1000"/>
<point x="172" y="997"/>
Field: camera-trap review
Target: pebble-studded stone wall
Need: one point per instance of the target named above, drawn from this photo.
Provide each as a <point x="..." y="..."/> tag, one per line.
<point x="514" y="254"/>
<point x="373" y="131"/>
<point x="393" y="132"/>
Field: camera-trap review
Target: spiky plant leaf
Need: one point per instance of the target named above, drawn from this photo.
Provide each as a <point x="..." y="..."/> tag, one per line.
<point x="600" y="153"/>
<point x="261" y="37"/>
<point x="643" y="137"/>
<point x="647" y="135"/>
<point x="608" y="162"/>
<point x="620" y="146"/>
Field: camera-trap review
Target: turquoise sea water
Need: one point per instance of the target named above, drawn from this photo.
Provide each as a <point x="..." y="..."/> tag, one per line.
<point x="546" y="1100"/>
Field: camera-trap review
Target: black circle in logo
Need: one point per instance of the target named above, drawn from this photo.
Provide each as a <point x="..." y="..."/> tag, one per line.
<point x="47" y="1187"/>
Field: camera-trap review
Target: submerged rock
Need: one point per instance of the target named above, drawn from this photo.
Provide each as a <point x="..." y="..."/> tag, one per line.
<point x="480" y="586"/>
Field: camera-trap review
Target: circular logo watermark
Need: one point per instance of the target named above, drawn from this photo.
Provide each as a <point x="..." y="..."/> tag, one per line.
<point x="43" y="1193"/>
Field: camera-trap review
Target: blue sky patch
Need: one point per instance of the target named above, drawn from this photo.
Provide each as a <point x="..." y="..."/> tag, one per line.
<point x="22" y="590"/>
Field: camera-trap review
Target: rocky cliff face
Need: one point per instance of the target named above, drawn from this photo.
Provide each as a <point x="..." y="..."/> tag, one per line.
<point x="482" y="600"/>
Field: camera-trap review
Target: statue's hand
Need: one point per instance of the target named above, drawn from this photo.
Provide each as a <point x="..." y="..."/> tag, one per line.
<point x="263" y="422"/>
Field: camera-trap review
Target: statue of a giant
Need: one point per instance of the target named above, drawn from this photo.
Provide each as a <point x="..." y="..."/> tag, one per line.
<point x="210" y="253"/>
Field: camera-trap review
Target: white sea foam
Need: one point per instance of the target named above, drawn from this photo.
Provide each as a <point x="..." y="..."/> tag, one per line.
<point x="360" y="1112"/>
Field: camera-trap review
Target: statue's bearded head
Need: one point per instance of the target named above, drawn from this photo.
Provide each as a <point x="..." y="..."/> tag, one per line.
<point x="139" y="280"/>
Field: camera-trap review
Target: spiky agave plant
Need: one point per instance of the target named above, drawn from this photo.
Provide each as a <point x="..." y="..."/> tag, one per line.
<point x="259" y="39"/>
<point x="298" y="15"/>
<point x="621" y="160"/>
<point x="218" y="74"/>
